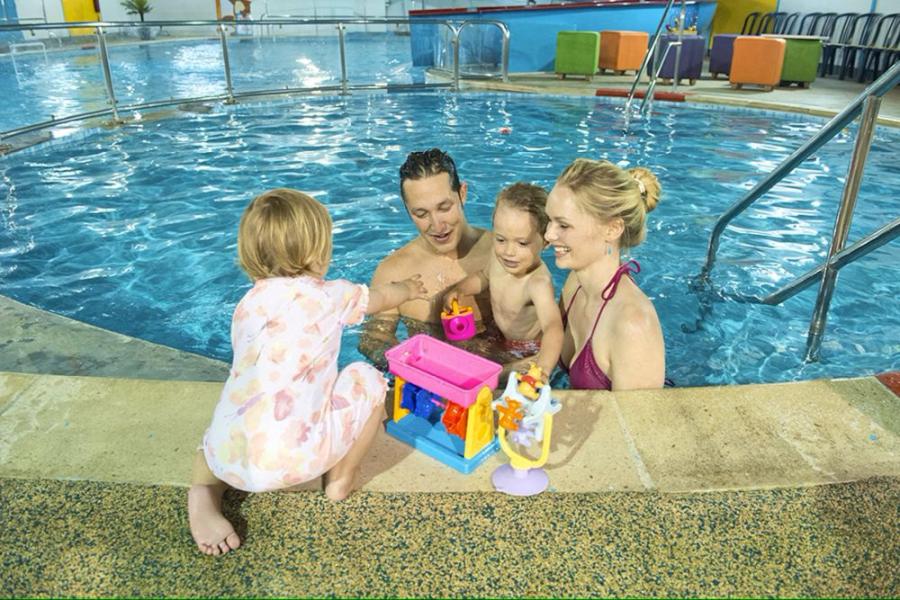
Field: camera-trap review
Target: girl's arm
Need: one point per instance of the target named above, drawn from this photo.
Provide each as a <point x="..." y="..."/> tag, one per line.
<point x="391" y="295"/>
<point x="548" y="313"/>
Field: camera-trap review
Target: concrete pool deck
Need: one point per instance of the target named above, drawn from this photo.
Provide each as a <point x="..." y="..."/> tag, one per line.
<point x="91" y="421"/>
<point x="79" y="402"/>
<point x="825" y="97"/>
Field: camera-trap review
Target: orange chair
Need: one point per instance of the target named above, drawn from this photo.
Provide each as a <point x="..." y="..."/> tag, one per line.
<point x="622" y="51"/>
<point x="757" y="60"/>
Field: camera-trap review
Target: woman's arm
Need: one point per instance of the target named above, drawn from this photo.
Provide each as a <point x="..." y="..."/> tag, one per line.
<point x="637" y="351"/>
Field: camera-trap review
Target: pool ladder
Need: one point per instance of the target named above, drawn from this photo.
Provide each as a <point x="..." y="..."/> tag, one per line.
<point x="866" y="104"/>
<point x="653" y="74"/>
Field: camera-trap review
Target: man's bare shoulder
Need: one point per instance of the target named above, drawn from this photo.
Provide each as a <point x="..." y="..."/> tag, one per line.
<point x="400" y="261"/>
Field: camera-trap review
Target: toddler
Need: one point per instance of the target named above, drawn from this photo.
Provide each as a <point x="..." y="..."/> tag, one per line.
<point x="521" y="288"/>
<point x="286" y="415"/>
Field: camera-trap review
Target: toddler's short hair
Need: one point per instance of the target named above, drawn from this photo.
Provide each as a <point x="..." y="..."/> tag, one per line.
<point x="528" y="197"/>
<point x="283" y="233"/>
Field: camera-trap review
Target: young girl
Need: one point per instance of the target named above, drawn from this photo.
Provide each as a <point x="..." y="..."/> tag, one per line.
<point x="286" y="415"/>
<point x="522" y="297"/>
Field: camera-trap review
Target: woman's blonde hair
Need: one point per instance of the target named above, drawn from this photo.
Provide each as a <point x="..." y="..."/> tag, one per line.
<point x="283" y="233"/>
<point x="607" y="192"/>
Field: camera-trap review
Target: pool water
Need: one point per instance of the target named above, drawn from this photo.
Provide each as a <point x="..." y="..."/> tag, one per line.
<point x="134" y="229"/>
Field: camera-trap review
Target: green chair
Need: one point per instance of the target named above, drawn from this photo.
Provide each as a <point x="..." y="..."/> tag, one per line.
<point x="577" y="53"/>
<point x="801" y="60"/>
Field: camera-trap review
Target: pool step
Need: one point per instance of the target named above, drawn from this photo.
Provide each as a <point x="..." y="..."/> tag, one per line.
<point x="683" y="439"/>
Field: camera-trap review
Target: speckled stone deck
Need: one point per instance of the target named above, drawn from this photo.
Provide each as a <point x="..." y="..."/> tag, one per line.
<point x="95" y="539"/>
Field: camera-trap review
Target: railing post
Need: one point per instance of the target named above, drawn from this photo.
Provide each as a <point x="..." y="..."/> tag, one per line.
<point x="455" y="43"/>
<point x="842" y="224"/>
<point x="229" y="88"/>
<point x="340" y="29"/>
<point x="107" y="74"/>
<point x="504" y="56"/>
<point x="680" y="26"/>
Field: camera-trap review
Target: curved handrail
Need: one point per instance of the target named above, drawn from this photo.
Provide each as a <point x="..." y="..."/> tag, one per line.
<point x="878" y="88"/>
<point x="455" y="26"/>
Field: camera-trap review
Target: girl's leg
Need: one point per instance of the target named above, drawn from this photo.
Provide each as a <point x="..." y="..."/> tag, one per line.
<point x="339" y="480"/>
<point x="364" y="379"/>
<point x="212" y="532"/>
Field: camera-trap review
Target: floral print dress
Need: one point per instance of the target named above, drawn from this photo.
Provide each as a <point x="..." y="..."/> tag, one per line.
<point x="286" y="415"/>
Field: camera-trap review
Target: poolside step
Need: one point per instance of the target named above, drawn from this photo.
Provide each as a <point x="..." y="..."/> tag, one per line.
<point x="682" y="439"/>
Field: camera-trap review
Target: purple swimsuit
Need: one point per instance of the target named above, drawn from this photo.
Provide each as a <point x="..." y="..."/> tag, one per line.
<point x="585" y="373"/>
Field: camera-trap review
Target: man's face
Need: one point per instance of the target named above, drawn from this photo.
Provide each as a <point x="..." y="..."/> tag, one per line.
<point x="436" y="211"/>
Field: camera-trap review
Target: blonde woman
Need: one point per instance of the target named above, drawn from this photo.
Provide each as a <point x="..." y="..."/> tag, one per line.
<point x="612" y="337"/>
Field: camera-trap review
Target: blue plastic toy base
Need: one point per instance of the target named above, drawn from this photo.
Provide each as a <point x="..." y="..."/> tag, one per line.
<point x="433" y="440"/>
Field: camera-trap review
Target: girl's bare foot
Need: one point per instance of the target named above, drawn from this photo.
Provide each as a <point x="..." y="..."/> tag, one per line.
<point x="339" y="484"/>
<point x="212" y="532"/>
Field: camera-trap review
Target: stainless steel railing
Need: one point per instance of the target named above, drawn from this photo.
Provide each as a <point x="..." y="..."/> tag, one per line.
<point x="651" y="50"/>
<point x="866" y="104"/>
<point x="455" y="27"/>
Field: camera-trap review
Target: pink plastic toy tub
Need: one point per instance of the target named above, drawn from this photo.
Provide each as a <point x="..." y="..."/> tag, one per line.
<point x="445" y="370"/>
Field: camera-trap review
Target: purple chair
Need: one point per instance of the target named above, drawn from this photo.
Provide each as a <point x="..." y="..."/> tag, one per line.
<point x="691" y="62"/>
<point x="720" y="54"/>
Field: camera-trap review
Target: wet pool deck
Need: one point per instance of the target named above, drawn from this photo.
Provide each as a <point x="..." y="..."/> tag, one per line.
<point x="89" y="416"/>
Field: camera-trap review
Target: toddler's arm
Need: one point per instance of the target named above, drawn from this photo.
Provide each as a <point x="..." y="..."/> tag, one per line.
<point x="391" y="295"/>
<point x="470" y="286"/>
<point x="541" y="290"/>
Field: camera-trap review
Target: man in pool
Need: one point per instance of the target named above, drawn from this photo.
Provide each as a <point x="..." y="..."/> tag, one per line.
<point x="445" y="252"/>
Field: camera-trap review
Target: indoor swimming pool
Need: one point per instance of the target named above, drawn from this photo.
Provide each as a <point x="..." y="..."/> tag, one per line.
<point x="133" y="228"/>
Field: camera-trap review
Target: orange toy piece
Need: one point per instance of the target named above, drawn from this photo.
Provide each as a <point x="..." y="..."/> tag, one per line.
<point x="510" y="414"/>
<point x="455" y="420"/>
<point x="757" y="60"/>
<point x="622" y="51"/>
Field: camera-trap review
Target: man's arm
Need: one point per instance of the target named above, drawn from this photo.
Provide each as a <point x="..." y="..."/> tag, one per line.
<point x="379" y="332"/>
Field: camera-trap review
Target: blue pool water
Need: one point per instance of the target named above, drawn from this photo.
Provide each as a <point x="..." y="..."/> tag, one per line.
<point x="133" y="229"/>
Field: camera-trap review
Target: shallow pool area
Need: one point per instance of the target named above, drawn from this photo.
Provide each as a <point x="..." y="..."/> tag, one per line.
<point x="64" y="82"/>
<point x="133" y="229"/>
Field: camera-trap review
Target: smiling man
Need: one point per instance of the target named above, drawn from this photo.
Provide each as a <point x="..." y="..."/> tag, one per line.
<point x="446" y="251"/>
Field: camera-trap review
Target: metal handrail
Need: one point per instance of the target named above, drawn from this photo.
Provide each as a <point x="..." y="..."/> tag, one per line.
<point x="879" y="88"/>
<point x="868" y="104"/>
<point x="651" y="51"/>
<point x="842" y="223"/>
<point x="647" y="55"/>
<point x="231" y="96"/>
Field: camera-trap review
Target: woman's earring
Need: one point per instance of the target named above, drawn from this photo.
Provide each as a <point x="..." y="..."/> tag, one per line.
<point x="608" y="249"/>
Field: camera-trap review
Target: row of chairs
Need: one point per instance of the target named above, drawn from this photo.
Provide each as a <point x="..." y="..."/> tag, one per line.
<point x="863" y="45"/>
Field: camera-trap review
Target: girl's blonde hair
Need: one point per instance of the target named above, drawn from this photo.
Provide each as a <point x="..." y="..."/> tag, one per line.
<point x="607" y="191"/>
<point x="283" y="233"/>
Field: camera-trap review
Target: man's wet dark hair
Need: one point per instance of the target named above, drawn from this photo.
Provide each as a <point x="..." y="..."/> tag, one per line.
<point x="419" y="165"/>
